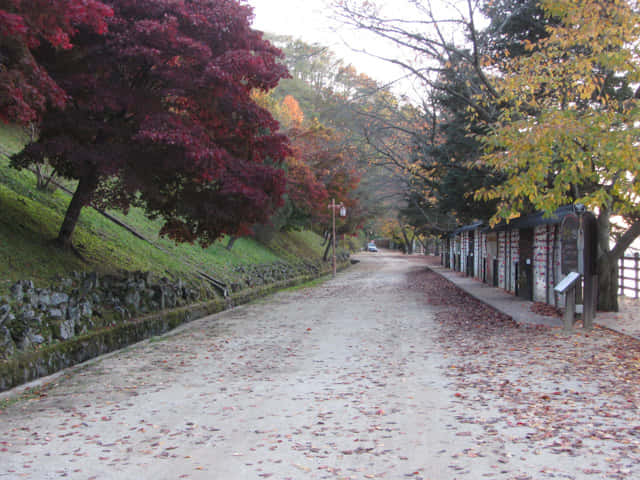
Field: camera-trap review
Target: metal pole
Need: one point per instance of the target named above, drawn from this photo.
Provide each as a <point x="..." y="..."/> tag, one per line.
<point x="333" y="216"/>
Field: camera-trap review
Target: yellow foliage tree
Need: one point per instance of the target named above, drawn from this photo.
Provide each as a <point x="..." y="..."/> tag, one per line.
<point x="291" y="115"/>
<point x="570" y="129"/>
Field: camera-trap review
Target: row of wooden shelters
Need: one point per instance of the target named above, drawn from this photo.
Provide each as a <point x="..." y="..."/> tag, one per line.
<point x="528" y="256"/>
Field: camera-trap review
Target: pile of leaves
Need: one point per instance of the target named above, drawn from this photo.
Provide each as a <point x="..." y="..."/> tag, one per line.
<point x="545" y="310"/>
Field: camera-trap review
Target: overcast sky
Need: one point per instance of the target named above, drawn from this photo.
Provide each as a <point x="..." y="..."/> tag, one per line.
<point x="310" y="21"/>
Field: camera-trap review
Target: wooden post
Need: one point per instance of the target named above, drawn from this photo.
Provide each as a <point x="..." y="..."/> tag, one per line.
<point x="621" y="275"/>
<point x="590" y="300"/>
<point x="570" y="309"/>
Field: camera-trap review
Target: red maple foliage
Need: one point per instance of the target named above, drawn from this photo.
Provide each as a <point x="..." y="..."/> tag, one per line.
<point x="25" y="86"/>
<point x="308" y="196"/>
<point x="160" y="114"/>
<point x="328" y="157"/>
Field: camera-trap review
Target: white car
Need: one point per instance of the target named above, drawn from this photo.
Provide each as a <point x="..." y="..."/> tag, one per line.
<point x="372" y="247"/>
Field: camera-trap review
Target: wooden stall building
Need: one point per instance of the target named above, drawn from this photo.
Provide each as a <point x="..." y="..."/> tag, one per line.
<point x="528" y="256"/>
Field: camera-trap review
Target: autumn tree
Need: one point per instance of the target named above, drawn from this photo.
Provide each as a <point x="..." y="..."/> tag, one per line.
<point x="160" y="114"/>
<point x="303" y="193"/>
<point x="347" y="116"/>
<point x="445" y="51"/>
<point x="306" y="195"/>
<point x="334" y="98"/>
<point x="293" y="116"/>
<point x="328" y="160"/>
<point x="26" y="88"/>
<point x="570" y="130"/>
<point x="327" y="156"/>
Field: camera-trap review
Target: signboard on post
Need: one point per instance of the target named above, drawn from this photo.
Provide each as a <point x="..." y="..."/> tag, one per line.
<point x="567" y="286"/>
<point x="567" y="282"/>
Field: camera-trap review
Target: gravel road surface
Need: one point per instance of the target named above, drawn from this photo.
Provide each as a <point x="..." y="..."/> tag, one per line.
<point x="352" y="379"/>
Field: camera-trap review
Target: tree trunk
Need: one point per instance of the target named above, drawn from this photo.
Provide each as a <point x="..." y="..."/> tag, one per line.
<point x="232" y="240"/>
<point x="325" y="237"/>
<point x="607" y="265"/>
<point x="407" y="242"/>
<point x="425" y="245"/>
<point x="81" y="197"/>
<point x="326" y="250"/>
<point x="607" y="291"/>
<point x="607" y="283"/>
<point x="408" y="246"/>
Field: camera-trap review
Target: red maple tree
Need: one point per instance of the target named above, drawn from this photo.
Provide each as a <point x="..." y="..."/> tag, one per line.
<point x="25" y="85"/>
<point x="160" y="114"/>
<point x="327" y="155"/>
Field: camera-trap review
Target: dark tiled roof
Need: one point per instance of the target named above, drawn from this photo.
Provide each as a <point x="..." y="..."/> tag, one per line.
<point x="528" y="221"/>
<point x="468" y="228"/>
<point x="537" y="218"/>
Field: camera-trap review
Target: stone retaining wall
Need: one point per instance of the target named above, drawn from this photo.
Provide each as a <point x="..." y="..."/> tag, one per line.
<point x="32" y="317"/>
<point x="47" y="357"/>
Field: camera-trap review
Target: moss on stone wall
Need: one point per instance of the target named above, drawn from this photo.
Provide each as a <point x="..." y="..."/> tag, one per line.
<point x="27" y="366"/>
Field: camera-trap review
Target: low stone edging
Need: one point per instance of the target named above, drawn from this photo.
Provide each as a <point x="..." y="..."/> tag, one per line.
<point x="28" y="366"/>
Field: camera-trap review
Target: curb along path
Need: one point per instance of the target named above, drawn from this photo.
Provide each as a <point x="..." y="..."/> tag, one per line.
<point x="514" y="307"/>
<point x="626" y="322"/>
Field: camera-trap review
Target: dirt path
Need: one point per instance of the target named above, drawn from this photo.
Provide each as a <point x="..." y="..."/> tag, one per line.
<point x="358" y="378"/>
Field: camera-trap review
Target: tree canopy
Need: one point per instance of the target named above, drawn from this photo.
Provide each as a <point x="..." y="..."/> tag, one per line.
<point x="344" y="111"/>
<point x="25" y="85"/>
<point x="160" y="114"/>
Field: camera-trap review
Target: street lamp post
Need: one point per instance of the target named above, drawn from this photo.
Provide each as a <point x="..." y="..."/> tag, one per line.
<point x="343" y="213"/>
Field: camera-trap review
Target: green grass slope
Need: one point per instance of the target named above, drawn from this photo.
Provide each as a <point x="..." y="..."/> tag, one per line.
<point x="30" y="218"/>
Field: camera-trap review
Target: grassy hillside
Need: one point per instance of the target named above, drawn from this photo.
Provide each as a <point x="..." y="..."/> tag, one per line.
<point x="30" y="218"/>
